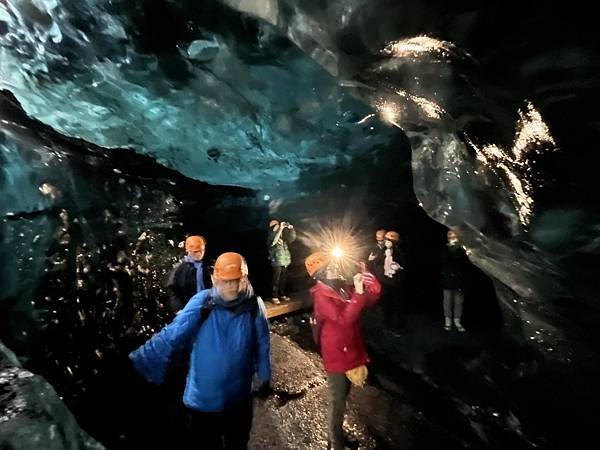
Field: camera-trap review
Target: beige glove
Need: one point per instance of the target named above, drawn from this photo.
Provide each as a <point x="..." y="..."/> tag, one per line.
<point x="358" y="284"/>
<point x="358" y="375"/>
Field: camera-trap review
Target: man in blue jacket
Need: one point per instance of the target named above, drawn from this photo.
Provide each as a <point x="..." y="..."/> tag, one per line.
<point x="230" y="335"/>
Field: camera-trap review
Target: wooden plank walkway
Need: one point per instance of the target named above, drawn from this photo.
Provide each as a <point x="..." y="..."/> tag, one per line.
<point x="299" y="301"/>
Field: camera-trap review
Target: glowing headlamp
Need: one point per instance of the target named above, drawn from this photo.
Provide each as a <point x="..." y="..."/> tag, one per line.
<point x="337" y="252"/>
<point x="339" y="242"/>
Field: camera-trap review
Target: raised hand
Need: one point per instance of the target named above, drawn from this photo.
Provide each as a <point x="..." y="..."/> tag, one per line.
<point x="358" y="283"/>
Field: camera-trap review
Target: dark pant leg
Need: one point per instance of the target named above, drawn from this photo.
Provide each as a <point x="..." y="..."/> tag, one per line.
<point x="386" y="306"/>
<point x="339" y="387"/>
<point x="458" y="304"/>
<point x="206" y="430"/>
<point x="275" y="281"/>
<point x="177" y="414"/>
<point x="448" y="303"/>
<point x="391" y="306"/>
<point x="282" y="281"/>
<point x="401" y="302"/>
<point x="237" y="426"/>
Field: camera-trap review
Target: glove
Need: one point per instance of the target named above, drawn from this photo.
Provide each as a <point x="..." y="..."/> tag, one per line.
<point x="358" y="375"/>
<point x="396" y="267"/>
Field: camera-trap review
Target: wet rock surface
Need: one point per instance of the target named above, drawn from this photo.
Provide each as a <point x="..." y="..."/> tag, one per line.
<point x="32" y="416"/>
<point x="390" y="412"/>
<point x="428" y="388"/>
<point x="295" y="416"/>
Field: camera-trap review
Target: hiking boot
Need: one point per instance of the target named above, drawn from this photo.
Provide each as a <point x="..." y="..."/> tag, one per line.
<point x="350" y="443"/>
<point x="329" y="447"/>
<point x="447" y="324"/>
<point x="458" y="325"/>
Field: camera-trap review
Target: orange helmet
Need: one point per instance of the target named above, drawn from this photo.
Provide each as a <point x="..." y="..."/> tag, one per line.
<point x="392" y="236"/>
<point x="316" y="261"/>
<point x="380" y="235"/>
<point x="273" y="222"/>
<point x="230" y="266"/>
<point x="195" y="244"/>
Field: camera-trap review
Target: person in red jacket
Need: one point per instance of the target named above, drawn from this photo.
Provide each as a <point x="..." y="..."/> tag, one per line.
<point x="336" y="319"/>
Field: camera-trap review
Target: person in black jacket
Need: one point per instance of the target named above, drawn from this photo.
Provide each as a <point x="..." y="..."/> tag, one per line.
<point x="392" y="280"/>
<point x="377" y="255"/>
<point x="454" y="266"/>
<point x="190" y="275"/>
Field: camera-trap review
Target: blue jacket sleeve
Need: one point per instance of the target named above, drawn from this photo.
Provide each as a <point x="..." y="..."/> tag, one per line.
<point x="152" y="359"/>
<point x="263" y="347"/>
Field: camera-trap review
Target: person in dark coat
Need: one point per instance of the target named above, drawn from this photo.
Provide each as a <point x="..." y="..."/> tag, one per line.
<point x="229" y="332"/>
<point x="454" y="266"/>
<point x="336" y="318"/>
<point x="392" y="279"/>
<point x="189" y="276"/>
<point x="281" y="234"/>
<point x="377" y="255"/>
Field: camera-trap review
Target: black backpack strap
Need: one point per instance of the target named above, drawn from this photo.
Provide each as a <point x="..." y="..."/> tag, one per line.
<point x="207" y="308"/>
<point x="182" y="353"/>
<point x="204" y="313"/>
<point x="254" y="311"/>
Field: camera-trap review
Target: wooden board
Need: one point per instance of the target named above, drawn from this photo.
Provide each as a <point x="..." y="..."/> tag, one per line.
<point x="297" y="303"/>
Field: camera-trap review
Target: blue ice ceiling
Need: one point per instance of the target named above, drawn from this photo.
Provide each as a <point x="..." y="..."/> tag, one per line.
<point x="195" y="105"/>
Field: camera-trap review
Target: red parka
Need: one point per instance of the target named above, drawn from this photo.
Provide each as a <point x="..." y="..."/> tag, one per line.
<point x="342" y="344"/>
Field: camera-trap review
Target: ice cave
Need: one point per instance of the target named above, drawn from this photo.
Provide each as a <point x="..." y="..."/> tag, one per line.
<point x="372" y="141"/>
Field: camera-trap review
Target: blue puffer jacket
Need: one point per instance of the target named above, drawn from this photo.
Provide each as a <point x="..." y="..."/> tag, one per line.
<point x="228" y="349"/>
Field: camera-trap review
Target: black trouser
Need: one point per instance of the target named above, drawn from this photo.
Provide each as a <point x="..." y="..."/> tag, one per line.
<point x="339" y="388"/>
<point x="393" y="305"/>
<point x="453" y="303"/>
<point x="173" y="387"/>
<point x="279" y="279"/>
<point x="225" y="430"/>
